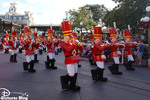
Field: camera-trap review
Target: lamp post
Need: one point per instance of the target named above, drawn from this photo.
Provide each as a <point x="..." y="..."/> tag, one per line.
<point x="81" y="23"/>
<point x="147" y="19"/>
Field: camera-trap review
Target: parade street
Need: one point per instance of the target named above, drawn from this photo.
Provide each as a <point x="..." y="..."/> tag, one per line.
<point x="45" y="84"/>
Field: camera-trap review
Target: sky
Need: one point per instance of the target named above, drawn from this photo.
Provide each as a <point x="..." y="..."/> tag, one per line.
<point x="50" y="11"/>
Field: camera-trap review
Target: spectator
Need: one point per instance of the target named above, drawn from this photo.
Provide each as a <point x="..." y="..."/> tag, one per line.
<point x="140" y="52"/>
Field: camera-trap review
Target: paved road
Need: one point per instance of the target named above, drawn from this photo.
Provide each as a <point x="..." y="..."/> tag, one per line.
<point x="45" y="84"/>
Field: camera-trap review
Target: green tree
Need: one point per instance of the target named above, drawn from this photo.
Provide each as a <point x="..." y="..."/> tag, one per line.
<point x="128" y="12"/>
<point x="81" y="15"/>
<point x="97" y="11"/>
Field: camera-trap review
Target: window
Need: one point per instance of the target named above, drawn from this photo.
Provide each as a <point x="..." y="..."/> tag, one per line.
<point x="20" y="18"/>
<point x="14" y="18"/>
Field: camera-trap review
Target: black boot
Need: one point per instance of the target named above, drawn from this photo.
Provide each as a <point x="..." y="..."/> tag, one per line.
<point x="130" y="66"/>
<point x="73" y="85"/>
<point x="47" y="64"/>
<point x="7" y="50"/>
<point x="25" y="66"/>
<point x="79" y="65"/>
<point x="20" y="50"/>
<point x="52" y="64"/>
<point x="31" y="67"/>
<point x="15" y="58"/>
<point x="100" y="75"/>
<point x="117" y="69"/>
<point x="127" y="65"/>
<point x="40" y="51"/>
<point x="94" y="74"/>
<point x="65" y="81"/>
<point x="35" y="58"/>
<point x="112" y="69"/>
<point x="11" y="58"/>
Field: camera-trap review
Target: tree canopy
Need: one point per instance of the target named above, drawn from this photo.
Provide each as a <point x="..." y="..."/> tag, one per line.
<point x="128" y="12"/>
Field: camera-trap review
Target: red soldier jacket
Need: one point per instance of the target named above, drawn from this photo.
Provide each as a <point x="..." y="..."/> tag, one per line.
<point x="6" y="42"/>
<point x="14" y="44"/>
<point x="70" y="56"/>
<point x="114" y="49"/>
<point x="97" y="52"/>
<point x="29" y="47"/>
<point x="50" y="47"/>
<point x="79" y="49"/>
<point x="128" y="50"/>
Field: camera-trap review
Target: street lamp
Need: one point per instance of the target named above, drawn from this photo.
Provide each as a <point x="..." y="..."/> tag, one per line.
<point x="81" y="23"/>
<point x="147" y="19"/>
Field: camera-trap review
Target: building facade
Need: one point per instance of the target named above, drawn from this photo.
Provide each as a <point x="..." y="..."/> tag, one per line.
<point x="20" y="19"/>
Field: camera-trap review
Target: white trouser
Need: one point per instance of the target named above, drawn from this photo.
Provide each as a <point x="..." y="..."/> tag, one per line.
<point x="40" y="48"/>
<point x="100" y="64"/>
<point x="72" y="69"/>
<point x="130" y="57"/>
<point x="56" y="48"/>
<point x="6" y="47"/>
<point x="116" y="60"/>
<point x="13" y="52"/>
<point x="35" y="51"/>
<point x="29" y="58"/>
<point x="44" y="46"/>
<point x="51" y="55"/>
<point x="20" y="47"/>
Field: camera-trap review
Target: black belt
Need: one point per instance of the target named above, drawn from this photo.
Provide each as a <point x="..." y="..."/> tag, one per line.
<point x="113" y="51"/>
<point x="98" y="54"/>
<point x="69" y="55"/>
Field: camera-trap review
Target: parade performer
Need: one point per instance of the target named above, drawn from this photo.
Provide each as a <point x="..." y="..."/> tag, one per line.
<point x="14" y="45"/>
<point x="79" y="48"/>
<point x="29" y="46"/>
<point x="6" y="43"/>
<point x="99" y="57"/>
<point x="128" y="50"/>
<point x="44" y="44"/>
<point x="115" y="52"/>
<point x="36" y="46"/>
<point x="71" y="59"/>
<point x="50" y="63"/>
<point x="56" y="44"/>
<point x="59" y="47"/>
<point x="20" y="44"/>
<point x="40" y="44"/>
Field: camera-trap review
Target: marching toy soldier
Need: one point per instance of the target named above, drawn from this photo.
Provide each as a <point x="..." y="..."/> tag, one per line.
<point x="6" y="43"/>
<point x="44" y="44"/>
<point x="40" y="44"/>
<point x="50" y="63"/>
<point x="115" y="53"/>
<point x="29" y="46"/>
<point x="36" y="46"/>
<point x="56" y="44"/>
<point x="14" y="45"/>
<point x="78" y="48"/>
<point x="20" y="44"/>
<point x="71" y="59"/>
<point x="128" y="50"/>
<point x="99" y="57"/>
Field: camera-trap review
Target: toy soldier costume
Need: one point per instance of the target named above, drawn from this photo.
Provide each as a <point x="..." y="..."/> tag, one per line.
<point x="71" y="59"/>
<point x="13" y="43"/>
<point x="115" y="53"/>
<point x="50" y="63"/>
<point x="128" y="51"/>
<point x="29" y="46"/>
<point x="99" y="57"/>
